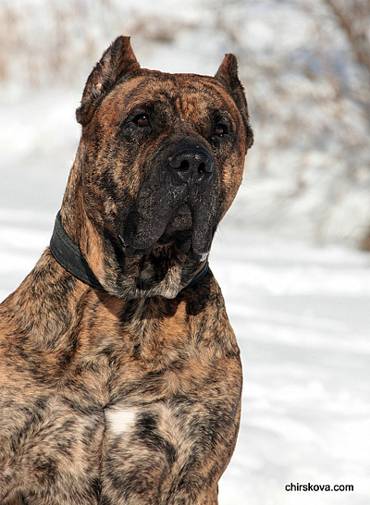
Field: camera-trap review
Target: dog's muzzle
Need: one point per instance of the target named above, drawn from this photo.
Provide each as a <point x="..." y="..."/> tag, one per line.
<point x="181" y="175"/>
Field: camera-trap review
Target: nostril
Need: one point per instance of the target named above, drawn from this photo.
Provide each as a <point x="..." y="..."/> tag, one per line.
<point x="202" y="168"/>
<point x="184" y="165"/>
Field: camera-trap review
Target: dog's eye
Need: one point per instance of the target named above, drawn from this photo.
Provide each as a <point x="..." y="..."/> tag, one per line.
<point x="141" y="120"/>
<point x="220" y="129"/>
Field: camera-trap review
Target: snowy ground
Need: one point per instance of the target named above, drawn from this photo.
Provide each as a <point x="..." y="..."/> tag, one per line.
<point x="301" y="315"/>
<point x="302" y="318"/>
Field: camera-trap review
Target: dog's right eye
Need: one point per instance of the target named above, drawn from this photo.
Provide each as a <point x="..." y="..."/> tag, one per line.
<point x="141" y="120"/>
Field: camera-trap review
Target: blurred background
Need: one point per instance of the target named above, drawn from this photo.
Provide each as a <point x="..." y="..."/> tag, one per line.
<point x="292" y="256"/>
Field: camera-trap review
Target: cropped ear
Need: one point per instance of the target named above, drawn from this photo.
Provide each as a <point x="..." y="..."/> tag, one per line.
<point x="227" y="74"/>
<point x="117" y="61"/>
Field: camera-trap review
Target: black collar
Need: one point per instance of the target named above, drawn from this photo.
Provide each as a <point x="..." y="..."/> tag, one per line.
<point x="70" y="257"/>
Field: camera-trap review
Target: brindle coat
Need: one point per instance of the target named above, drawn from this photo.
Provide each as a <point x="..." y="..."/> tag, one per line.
<point x="129" y="395"/>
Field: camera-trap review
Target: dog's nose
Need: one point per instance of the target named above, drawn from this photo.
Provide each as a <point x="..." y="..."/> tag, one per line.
<point x="192" y="165"/>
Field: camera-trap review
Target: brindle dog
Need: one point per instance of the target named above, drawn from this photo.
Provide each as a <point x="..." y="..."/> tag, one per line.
<point x="130" y="394"/>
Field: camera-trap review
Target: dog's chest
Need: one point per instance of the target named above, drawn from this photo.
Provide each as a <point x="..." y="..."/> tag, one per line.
<point x="145" y="360"/>
<point x="133" y="400"/>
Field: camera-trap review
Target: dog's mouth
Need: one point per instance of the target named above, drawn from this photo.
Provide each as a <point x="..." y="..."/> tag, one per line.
<point x="175" y="243"/>
<point x="189" y="228"/>
<point x="162" y="252"/>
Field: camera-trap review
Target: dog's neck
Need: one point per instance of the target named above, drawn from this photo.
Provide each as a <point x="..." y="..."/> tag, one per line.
<point x="47" y="312"/>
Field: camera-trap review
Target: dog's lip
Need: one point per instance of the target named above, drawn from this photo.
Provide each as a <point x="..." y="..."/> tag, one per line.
<point x="180" y="238"/>
<point x="182" y="233"/>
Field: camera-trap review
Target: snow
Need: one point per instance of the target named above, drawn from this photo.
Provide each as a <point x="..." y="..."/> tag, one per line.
<point x="300" y="310"/>
<point x="307" y="96"/>
<point x="301" y="315"/>
<point x="302" y="318"/>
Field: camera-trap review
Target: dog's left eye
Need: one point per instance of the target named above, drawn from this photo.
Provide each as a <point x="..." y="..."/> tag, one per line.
<point x="220" y="129"/>
<point x="141" y="120"/>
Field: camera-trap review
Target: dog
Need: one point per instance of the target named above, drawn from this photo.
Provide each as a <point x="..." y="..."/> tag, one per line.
<point x="120" y="375"/>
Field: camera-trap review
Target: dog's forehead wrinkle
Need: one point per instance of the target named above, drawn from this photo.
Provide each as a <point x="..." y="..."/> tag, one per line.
<point x="171" y="86"/>
<point x="145" y="85"/>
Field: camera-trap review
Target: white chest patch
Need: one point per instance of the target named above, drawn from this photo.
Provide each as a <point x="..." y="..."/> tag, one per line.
<point x="120" y="421"/>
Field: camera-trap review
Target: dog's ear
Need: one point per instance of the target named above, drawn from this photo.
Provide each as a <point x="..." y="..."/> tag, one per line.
<point x="227" y="74"/>
<point x="118" y="60"/>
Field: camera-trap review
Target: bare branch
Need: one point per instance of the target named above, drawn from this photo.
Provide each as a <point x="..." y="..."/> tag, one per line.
<point x="348" y="20"/>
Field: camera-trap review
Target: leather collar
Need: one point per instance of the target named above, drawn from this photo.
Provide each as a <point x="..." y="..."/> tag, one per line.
<point x="70" y="257"/>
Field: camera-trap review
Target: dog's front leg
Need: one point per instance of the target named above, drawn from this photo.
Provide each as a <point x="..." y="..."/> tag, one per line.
<point x="209" y="497"/>
<point x="170" y="453"/>
<point x="196" y="482"/>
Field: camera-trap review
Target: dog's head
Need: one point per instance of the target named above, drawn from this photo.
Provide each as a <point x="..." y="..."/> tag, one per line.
<point x="160" y="160"/>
